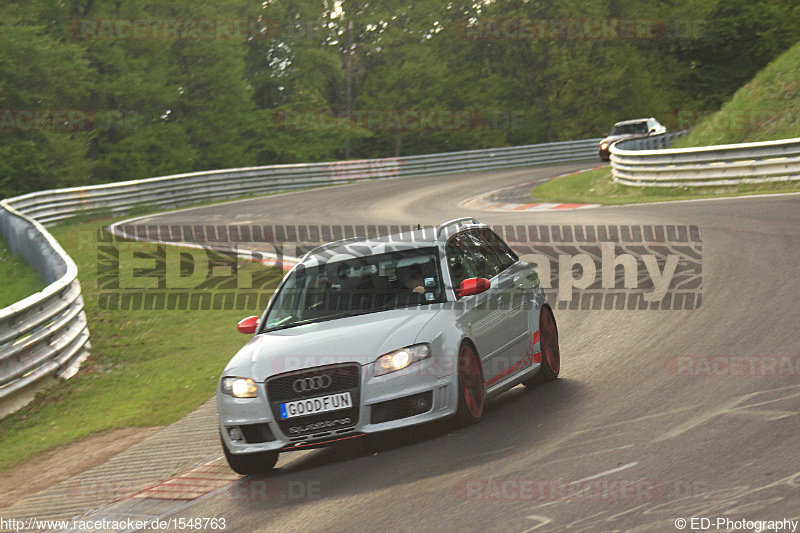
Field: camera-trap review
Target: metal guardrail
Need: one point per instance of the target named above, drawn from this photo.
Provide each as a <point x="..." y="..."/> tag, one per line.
<point x="49" y="207"/>
<point x="639" y="162"/>
<point x="46" y="334"/>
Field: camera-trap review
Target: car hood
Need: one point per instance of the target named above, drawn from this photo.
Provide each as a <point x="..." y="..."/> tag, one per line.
<point x="360" y="339"/>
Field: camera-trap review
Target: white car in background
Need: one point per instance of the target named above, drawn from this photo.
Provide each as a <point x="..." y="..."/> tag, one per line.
<point x="629" y="129"/>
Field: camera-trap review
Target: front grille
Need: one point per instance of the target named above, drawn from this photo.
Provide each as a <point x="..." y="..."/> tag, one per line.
<point x="343" y="378"/>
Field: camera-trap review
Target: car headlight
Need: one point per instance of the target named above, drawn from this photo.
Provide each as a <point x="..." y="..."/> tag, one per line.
<point x="239" y="387"/>
<point x="400" y="359"/>
<point x="603" y="146"/>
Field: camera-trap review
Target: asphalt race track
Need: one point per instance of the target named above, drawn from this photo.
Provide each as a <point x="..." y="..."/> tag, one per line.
<point x="621" y="442"/>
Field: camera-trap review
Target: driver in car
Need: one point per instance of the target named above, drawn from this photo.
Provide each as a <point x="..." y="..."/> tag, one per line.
<point x="411" y="277"/>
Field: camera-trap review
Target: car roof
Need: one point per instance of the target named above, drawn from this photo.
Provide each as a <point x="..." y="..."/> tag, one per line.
<point x="421" y="237"/>
<point x="633" y="121"/>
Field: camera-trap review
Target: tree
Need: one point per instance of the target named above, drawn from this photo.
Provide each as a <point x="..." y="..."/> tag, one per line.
<point x="43" y="85"/>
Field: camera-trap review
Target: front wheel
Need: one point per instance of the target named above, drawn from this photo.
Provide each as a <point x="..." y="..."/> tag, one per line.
<point x="548" y="344"/>
<point x="471" y="391"/>
<point x="250" y="463"/>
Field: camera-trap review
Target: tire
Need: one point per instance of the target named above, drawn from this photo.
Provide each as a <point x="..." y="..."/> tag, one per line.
<point x="471" y="389"/>
<point x="250" y="463"/>
<point x="548" y="344"/>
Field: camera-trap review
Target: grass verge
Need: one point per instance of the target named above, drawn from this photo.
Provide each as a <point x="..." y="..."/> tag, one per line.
<point x="147" y="367"/>
<point x="765" y="109"/>
<point x="17" y="279"/>
<point x="597" y="187"/>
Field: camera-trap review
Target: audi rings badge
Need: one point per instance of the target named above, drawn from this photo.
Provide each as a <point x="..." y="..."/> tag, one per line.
<point x="312" y="383"/>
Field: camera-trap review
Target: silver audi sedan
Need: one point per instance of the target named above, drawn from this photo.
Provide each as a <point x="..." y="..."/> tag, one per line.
<point x="363" y="336"/>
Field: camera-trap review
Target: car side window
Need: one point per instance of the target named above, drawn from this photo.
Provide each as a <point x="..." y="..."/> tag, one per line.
<point x="505" y="255"/>
<point x="459" y="261"/>
<point x="486" y="261"/>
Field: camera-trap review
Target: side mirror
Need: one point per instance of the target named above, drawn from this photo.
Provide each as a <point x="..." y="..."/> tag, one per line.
<point x="605" y="135"/>
<point x="472" y="286"/>
<point x="248" y="325"/>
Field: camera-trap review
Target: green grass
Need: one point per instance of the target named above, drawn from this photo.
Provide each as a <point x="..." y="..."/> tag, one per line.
<point x="147" y="368"/>
<point x="597" y="187"/>
<point x="765" y="109"/>
<point x="17" y="279"/>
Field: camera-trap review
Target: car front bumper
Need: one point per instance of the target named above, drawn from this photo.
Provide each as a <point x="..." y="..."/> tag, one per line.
<point x="420" y="380"/>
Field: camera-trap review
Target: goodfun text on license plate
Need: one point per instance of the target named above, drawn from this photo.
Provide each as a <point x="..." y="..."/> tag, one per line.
<point x="312" y="406"/>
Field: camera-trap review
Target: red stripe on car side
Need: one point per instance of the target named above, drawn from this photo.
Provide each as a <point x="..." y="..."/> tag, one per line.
<point x="504" y="373"/>
<point x="537" y="358"/>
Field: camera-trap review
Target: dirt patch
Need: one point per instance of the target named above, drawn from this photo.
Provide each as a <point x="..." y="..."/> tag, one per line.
<point x="48" y="468"/>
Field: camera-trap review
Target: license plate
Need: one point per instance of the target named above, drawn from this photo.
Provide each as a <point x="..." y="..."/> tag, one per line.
<point x="313" y="406"/>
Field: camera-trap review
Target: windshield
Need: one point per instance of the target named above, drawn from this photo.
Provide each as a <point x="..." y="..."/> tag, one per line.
<point x="627" y="129"/>
<point x="357" y="285"/>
